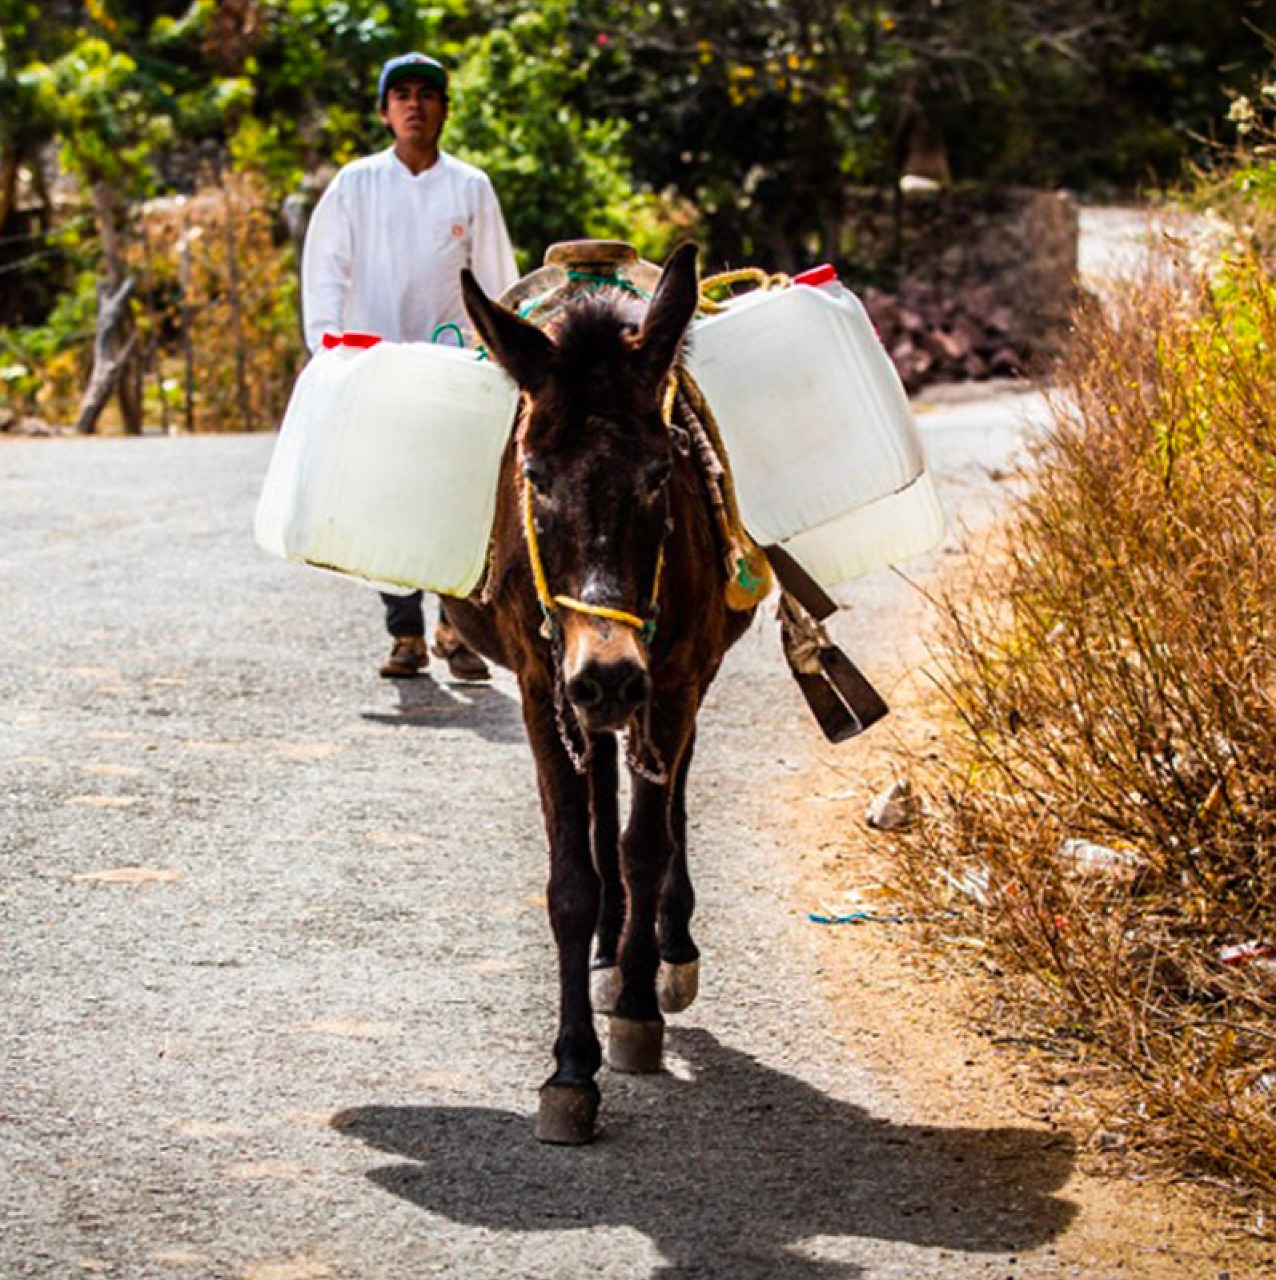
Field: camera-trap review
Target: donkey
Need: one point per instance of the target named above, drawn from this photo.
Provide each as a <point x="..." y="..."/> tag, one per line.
<point x="606" y="595"/>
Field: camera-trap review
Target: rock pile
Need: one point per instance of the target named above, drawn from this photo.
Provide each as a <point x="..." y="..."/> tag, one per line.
<point x="968" y="335"/>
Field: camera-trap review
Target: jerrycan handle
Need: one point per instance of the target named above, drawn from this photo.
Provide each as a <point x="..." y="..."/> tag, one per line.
<point x="444" y="329"/>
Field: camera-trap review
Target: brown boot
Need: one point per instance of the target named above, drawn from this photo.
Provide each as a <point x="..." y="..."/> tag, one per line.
<point x="408" y="658"/>
<point x="462" y="662"/>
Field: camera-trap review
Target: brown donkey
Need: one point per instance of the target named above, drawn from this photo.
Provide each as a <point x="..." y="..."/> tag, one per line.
<point x="605" y="594"/>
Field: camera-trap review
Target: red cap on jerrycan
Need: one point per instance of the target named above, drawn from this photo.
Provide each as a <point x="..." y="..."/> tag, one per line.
<point x="351" y="338"/>
<point x="825" y="273"/>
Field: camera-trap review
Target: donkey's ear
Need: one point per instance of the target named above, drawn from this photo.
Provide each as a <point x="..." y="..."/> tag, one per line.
<point x="521" y="349"/>
<point x="672" y="306"/>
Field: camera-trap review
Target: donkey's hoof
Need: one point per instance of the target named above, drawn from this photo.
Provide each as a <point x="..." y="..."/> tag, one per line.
<point x="635" y="1047"/>
<point x="677" y="985"/>
<point x="568" y="1114"/>
<point x="604" y="988"/>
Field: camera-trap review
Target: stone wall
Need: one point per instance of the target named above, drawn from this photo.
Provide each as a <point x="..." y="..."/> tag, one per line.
<point x="955" y="257"/>
<point x="1023" y="243"/>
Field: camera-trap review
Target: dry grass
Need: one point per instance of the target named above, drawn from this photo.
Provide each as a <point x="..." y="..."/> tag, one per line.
<point x="1112" y="677"/>
<point x="219" y="308"/>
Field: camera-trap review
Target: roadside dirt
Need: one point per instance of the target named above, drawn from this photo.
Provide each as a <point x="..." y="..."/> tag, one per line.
<point x="930" y="1015"/>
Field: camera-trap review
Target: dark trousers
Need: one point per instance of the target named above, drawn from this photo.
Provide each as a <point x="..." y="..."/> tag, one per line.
<point x="404" y="615"/>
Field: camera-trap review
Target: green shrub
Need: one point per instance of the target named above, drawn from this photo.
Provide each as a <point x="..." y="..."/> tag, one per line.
<point x="44" y="366"/>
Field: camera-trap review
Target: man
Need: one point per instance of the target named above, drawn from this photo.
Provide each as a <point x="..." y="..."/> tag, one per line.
<point x="383" y="254"/>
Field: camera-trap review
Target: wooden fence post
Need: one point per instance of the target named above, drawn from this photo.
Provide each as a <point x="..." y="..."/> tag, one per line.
<point x="185" y="311"/>
<point x="236" y="312"/>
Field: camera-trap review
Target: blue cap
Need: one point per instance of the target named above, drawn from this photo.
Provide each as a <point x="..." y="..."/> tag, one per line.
<point x="408" y="66"/>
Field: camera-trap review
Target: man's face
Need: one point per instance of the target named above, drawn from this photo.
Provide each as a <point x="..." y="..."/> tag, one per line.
<point x="414" y="112"/>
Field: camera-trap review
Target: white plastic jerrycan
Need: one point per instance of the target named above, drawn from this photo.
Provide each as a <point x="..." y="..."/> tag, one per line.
<point x="387" y="463"/>
<point x="826" y="456"/>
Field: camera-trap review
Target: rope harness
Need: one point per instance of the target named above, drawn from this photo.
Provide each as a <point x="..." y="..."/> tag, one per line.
<point x="751" y="275"/>
<point x="638" y="735"/>
<point x="843" y="702"/>
<point x="551" y="602"/>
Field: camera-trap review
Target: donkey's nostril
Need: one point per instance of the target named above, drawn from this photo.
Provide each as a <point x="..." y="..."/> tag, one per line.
<point x="585" y="691"/>
<point x="633" y="692"/>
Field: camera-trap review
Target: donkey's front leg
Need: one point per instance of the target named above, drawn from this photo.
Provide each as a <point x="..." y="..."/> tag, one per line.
<point x="569" y="1098"/>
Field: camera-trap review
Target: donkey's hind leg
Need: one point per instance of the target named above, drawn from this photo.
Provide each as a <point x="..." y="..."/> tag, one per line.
<point x="678" y="980"/>
<point x="637" y="1029"/>
<point x="604" y="782"/>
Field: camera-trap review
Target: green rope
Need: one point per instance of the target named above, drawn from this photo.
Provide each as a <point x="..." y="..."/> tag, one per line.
<point x="444" y="328"/>
<point x="532" y="305"/>
<point x="615" y="282"/>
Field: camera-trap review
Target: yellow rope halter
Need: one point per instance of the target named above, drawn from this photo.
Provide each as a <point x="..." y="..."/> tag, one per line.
<point x="644" y="626"/>
<point x="753" y="588"/>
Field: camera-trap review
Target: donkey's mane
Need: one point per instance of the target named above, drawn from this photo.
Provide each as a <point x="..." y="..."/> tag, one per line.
<point x="596" y="332"/>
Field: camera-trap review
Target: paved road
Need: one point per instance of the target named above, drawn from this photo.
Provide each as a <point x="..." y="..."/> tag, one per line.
<point x="276" y="972"/>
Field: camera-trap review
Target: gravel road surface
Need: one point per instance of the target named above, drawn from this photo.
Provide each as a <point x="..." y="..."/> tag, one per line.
<point x="277" y="977"/>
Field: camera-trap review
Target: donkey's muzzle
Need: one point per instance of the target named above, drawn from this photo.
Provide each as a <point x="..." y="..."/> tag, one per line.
<point x="606" y="694"/>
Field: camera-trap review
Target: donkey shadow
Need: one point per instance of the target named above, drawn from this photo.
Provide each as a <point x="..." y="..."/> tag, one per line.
<point x="729" y="1172"/>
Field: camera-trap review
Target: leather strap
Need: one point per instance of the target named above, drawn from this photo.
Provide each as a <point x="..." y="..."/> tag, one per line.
<point x="841" y="698"/>
<point x="799" y="584"/>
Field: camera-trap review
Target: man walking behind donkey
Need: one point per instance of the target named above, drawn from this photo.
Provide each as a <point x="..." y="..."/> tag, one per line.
<point x="384" y="253"/>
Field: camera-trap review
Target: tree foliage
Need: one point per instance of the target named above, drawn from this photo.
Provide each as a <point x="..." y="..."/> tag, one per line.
<point x="747" y="122"/>
<point x="759" y="112"/>
<point x="561" y="174"/>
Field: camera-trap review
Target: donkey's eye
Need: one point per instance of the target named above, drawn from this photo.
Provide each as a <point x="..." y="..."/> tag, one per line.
<point x="536" y="474"/>
<point x="655" y="478"/>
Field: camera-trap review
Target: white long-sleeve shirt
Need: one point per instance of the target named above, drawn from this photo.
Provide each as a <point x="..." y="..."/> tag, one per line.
<point x="385" y="248"/>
